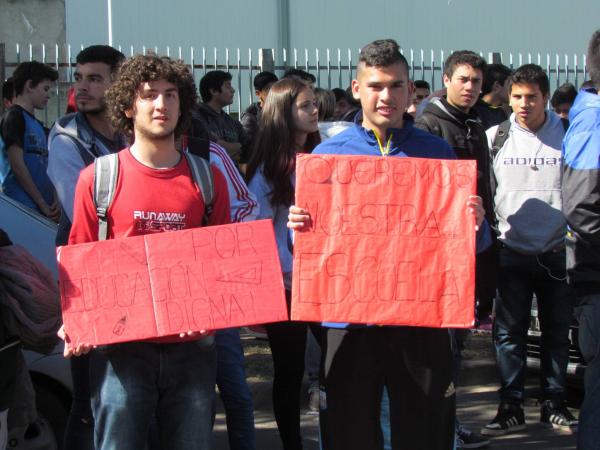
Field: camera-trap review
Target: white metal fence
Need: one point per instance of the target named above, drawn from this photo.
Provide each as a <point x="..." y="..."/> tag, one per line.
<point x="331" y="67"/>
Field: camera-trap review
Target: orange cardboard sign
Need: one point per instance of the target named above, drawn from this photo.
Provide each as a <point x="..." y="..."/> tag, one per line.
<point x="391" y="241"/>
<point x="162" y="284"/>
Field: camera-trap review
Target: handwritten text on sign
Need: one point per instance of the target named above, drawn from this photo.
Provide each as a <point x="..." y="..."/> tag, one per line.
<point x="163" y="284"/>
<point x="391" y="241"/>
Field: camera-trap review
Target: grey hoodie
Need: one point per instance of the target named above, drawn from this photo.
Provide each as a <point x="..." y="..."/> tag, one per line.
<point x="72" y="145"/>
<point x="527" y="203"/>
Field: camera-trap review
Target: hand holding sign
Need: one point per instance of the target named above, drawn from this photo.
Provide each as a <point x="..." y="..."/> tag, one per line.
<point x="171" y="283"/>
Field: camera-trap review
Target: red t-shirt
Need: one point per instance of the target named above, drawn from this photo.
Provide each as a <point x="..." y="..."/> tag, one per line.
<point x="147" y="201"/>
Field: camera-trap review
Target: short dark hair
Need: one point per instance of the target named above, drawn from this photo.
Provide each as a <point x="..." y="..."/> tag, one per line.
<point x="34" y="71"/>
<point x="593" y="58"/>
<point x="101" y="53"/>
<point x="494" y="73"/>
<point x="566" y="93"/>
<point x="382" y="53"/>
<point x="121" y="96"/>
<point x="340" y="94"/>
<point x="463" y="58"/>
<point x="531" y="74"/>
<point x="8" y="90"/>
<point x="422" y="84"/>
<point x="588" y="86"/>
<point x="263" y="79"/>
<point x="212" y="80"/>
<point x="299" y="74"/>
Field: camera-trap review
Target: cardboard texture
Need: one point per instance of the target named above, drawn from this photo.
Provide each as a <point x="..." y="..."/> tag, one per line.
<point x="391" y="241"/>
<point x="162" y="284"/>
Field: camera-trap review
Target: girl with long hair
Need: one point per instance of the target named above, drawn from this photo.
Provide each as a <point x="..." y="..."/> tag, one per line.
<point x="289" y="125"/>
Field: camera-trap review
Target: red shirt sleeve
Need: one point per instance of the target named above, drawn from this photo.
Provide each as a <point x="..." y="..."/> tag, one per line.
<point x="85" y="220"/>
<point x="220" y="214"/>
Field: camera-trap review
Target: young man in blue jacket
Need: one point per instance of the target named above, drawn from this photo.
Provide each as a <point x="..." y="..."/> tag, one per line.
<point x="581" y="206"/>
<point x="413" y="363"/>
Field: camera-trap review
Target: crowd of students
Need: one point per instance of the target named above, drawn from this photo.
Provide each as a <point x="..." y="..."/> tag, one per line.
<point x="535" y="229"/>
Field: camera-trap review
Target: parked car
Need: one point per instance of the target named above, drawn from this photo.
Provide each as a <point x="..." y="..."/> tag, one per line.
<point x="50" y="374"/>
<point x="576" y="365"/>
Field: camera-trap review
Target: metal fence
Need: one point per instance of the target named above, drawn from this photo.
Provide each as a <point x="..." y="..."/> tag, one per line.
<point x="331" y="67"/>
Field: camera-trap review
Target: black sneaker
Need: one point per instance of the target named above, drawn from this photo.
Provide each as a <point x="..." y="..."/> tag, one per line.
<point x="510" y="418"/>
<point x="555" y="414"/>
<point x="468" y="439"/>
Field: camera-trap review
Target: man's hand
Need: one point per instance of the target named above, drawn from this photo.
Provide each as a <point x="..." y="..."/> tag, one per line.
<point x="475" y="206"/>
<point x="52" y="212"/>
<point x="298" y="219"/>
<point x="69" y="350"/>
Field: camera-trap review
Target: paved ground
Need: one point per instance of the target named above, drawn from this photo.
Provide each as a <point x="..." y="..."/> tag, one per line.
<point x="477" y="403"/>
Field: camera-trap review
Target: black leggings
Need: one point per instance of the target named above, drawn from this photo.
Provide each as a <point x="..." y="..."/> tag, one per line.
<point x="288" y="343"/>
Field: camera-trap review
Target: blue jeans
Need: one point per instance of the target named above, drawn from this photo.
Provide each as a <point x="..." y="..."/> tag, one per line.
<point x="520" y="276"/>
<point x="385" y="420"/>
<point x="236" y="396"/>
<point x="588" y="315"/>
<point x="135" y="382"/>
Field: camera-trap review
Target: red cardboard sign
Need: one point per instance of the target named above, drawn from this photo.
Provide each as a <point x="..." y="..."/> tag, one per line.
<point x="391" y="241"/>
<point x="162" y="284"/>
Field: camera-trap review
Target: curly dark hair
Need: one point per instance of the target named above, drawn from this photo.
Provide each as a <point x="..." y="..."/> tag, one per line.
<point x="121" y="96"/>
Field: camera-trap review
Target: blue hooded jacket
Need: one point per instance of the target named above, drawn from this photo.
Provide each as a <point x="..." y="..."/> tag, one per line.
<point x="406" y="141"/>
<point x="581" y="192"/>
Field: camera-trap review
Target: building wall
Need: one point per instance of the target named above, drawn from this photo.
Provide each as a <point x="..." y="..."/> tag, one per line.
<point x="481" y="25"/>
<point x="31" y="22"/>
<point x="243" y="24"/>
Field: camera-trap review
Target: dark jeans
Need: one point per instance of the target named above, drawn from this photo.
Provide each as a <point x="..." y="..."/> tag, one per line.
<point x="520" y="276"/>
<point x="414" y="364"/>
<point x="236" y="396"/>
<point x="134" y="383"/>
<point x="588" y="315"/>
<point x="79" y="432"/>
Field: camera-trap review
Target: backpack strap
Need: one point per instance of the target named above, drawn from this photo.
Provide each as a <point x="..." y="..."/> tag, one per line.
<point x="500" y="138"/>
<point x="203" y="177"/>
<point x="106" y="170"/>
